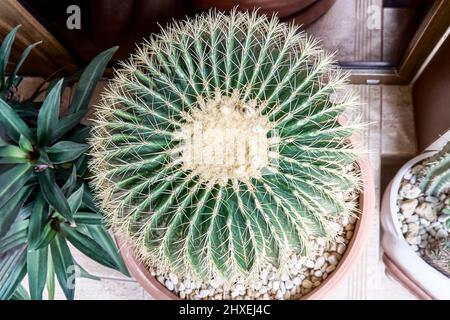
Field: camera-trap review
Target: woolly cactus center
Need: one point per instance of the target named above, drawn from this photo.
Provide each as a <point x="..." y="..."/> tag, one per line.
<point x="225" y="138"/>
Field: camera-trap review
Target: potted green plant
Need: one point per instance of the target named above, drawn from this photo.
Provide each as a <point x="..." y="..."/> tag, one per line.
<point x="45" y="201"/>
<point x="416" y="217"/>
<point x="224" y="165"/>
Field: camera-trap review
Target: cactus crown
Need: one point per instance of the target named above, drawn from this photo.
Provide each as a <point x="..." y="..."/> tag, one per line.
<point x="217" y="147"/>
<point x="435" y="177"/>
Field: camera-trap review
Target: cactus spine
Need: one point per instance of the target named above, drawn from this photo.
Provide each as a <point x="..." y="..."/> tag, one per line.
<point x="435" y="177"/>
<point x="217" y="147"/>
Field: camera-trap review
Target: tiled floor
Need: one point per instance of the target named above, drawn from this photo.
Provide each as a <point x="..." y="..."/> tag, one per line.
<point x="364" y="30"/>
<point x="385" y="108"/>
<point x="389" y="135"/>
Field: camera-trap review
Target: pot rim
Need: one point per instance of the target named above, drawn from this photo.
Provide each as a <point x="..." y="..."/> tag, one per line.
<point x="366" y="200"/>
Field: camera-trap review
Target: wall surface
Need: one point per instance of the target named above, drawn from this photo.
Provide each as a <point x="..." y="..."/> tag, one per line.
<point x="431" y="98"/>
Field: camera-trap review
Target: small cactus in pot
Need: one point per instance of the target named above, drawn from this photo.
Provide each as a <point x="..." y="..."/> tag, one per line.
<point x="217" y="147"/>
<point x="434" y="181"/>
<point x="435" y="176"/>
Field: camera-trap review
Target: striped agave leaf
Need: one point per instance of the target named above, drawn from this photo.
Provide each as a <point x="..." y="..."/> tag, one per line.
<point x="217" y="147"/>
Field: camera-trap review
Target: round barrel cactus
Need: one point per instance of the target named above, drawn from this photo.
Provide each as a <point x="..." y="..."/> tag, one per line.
<point x="217" y="148"/>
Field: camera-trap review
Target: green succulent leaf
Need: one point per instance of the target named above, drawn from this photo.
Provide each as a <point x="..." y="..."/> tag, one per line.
<point x="10" y="160"/>
<point x="12" y="152"/>
<point x="80" y="135"/>
<point x="16" y="236"/>
<point x="5" y="51"/>
<point x="82" y="273"/>
<point x="88" y="200"/>
<point x="45" y="238"/>
<point x="88" y="80"/>
<point x="37" y="271"/>
<point x="12" y="77"/>
<point x="12" y="180"/>
<point x="87" y="246"/>
<point x="66" y="151"/>
<point x="89" y="218"/>
<point x="104" y="239"/>
<point x="53" y="194"/>
<point x="13" y="124"/>
<point x="49" y="115"/>
<point x="50" y="277"/>
<point x="3" y="143"/>
<point x="9" y="212"/>
<point x="66" y="124"/>
<point x="25" y="144"/>
<point x="44" y="159"/>
<point x="12" y="271"/>
<point x="20" y="293"/>
<point x="28" y="111"/>
<point x="75" y="199"/>
<point x="82" y="164"/>
<point x="63" y="265"/>
<point x="38" y="220"/>
<point x="70" y="183"/>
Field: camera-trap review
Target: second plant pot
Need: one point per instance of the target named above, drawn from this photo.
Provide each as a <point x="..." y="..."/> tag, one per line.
<point x="402" y="263"/>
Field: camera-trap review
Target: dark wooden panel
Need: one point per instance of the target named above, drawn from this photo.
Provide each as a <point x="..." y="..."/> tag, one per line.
<point x="431" y="94"/>
<point x="46" y="59"/>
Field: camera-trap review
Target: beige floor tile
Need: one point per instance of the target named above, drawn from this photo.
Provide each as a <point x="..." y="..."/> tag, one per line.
<point x="352" y="28"/>
<point x="104" y="289"/>
<point x="397" y="122"/>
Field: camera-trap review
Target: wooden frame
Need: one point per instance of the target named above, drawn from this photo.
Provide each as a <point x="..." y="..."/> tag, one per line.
<point x="428" y="35"/>
<point x="48" y="58"/>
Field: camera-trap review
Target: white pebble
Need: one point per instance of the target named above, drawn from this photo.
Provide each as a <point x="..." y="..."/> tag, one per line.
<point x="279" y="295"/>
<point x="441" y="234"/>
<point x="161" y="279"/>
<point x="318" y="274"/>
<point x="331" y="268"/>
<point x="257" y="285"/>
<point x="288" y="284"/>
<point x="319" y="263"/>
<point x="349" y="235"/>
<point x="204" y="293"/>
<point x="321" y="242"/>
<point x="332" y="260"/>
<point x="309" y="264"/>
<point x="287" y="295"/>
<point x="169" y="284"/>
<point x="306" y="284"/>
<point x="264" y="273"/>
<point x="275" y="285"/>
<point x="173" y="278"/>
<point x="413" y="218"/>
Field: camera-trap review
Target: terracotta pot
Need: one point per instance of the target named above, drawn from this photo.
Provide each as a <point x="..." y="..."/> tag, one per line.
<point x="157" y="291"/>
<point x="283" y="8"/>
<point x="402" y="263"/>
<point x="312" y="13"/>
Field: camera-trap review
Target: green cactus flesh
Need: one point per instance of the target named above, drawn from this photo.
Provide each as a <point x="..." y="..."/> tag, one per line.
<point x="435" y="177"/>
<point x="217" y="146"/>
